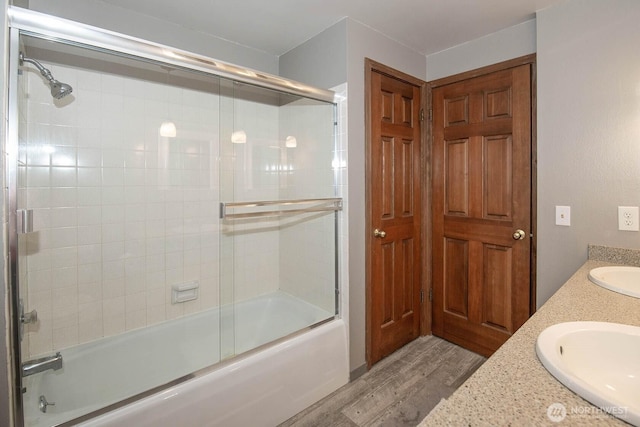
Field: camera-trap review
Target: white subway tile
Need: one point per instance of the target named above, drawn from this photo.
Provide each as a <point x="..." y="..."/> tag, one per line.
<point x="89" y="235"/>
<point x="89" y="273"/>
<point x="112" y="270"/>
<point x="113" y="213"/>
<point x="113" y="232"/>
<point x="113" y="325"/>
<point x="113" y="290"/>
<point x="89" y="157"/>
<point x="112" y="176"/>
<point x="136" y="319"/>
<point x="90" y="331"/>
<point x="90" y="254"/>
<point x="90" y="293"/>
<point x="89" y="177"/>
<point x="89" y="215"/>
<point x="65" y="337"/>
<point x="113" y="196"/>
<point x="64" y="278"/>
<point x="63" y="217"/>
<point x="38" y="176"/>
<point x="65" y="257"/>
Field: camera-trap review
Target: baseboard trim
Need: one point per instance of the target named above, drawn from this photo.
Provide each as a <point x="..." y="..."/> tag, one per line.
<point x="358" y="372"/>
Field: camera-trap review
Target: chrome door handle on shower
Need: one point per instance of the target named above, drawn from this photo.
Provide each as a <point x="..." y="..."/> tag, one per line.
<point x="379" y="233"/>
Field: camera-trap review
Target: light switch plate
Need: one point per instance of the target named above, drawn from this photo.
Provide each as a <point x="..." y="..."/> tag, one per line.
<point x="563" y="215"/>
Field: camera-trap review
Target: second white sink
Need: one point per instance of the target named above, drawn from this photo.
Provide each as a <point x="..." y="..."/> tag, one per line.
<point x="597" y="360"/>
<point x="621" y="279"/>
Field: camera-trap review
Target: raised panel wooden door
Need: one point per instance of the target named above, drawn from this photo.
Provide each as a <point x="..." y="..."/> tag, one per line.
<point x="482" y="196"/>
<point x="395" y="215"/>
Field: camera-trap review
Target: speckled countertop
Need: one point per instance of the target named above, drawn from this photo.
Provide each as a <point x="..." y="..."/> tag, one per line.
<point x="512" y="388"/>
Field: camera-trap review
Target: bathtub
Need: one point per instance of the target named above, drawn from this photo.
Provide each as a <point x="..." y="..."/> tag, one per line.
<point x="262" y="385"/>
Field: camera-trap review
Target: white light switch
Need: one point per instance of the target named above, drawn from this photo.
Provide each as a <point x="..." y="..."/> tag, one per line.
<point x="563" y="215"/>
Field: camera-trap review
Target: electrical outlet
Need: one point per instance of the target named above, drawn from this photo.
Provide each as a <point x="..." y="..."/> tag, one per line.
<point x="628" y="218"/>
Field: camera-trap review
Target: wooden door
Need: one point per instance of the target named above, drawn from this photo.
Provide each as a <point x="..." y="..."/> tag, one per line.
<point x="481" y="198"/>
<point x="394" y="204"/>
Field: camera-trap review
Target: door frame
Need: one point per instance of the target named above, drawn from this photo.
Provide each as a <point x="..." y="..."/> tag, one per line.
<point x="504" y="65"/>
<point x="372" y="66"/>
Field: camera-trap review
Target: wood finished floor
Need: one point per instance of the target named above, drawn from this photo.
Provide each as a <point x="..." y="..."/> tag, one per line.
<point x="400" y="390"/>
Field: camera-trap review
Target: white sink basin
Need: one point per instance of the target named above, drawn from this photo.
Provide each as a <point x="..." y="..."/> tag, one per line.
<point x="598" y="361"/>
<point x="621" y="279"/>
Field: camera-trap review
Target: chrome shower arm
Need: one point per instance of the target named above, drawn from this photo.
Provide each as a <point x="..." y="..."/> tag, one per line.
<point x="44" y="71"/>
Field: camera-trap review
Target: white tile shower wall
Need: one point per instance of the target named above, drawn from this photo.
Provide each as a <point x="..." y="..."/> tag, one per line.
<point x="121" y="213"/>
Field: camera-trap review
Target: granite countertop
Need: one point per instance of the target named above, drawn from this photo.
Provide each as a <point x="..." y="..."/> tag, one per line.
<point x="513" y="388"/>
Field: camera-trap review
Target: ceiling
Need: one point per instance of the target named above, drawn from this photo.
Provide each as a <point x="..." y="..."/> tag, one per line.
<point x="277" y="26"/>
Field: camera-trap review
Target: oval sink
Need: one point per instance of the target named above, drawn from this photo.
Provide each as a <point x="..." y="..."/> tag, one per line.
<point x="599" y="361"/>
<point x="621" y="279"/>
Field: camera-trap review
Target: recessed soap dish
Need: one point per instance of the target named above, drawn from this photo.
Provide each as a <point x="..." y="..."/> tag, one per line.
<point x="184" y="292"/>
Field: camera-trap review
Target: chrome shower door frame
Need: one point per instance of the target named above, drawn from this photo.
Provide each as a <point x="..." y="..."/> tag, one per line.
<point x="11" y="209"/>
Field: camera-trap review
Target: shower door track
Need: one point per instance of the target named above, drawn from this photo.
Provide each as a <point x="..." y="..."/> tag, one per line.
<point x="65" y="31"/>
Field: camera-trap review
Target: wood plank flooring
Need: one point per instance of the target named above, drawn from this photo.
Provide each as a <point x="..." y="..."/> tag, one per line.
<point x="398" y="391"/>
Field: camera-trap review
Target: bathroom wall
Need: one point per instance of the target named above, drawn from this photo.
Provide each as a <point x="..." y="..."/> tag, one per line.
<point x="509" y="43"/>
<point x="588" y="131"/>
<point x="321" y="60"/>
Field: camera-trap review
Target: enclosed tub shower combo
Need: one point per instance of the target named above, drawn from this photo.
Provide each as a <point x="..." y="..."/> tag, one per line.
<point x="173" y="234"/>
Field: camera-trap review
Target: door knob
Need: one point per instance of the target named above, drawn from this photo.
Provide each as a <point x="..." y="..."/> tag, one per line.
<point x="518" y="235"/>
<point x="379" y="233"/>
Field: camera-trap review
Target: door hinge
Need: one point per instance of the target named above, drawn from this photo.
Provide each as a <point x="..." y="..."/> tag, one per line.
<point x="421" y="296"/>
<point x="430" y="114"/>
<point x="422" y="114"/>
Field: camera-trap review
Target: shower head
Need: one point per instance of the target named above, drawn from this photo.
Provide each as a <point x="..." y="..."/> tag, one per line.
<point x="58" y="89"/>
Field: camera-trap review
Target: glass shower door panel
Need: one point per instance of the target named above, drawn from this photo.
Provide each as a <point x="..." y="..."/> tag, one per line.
<point x="276" y="153"/>
<point x="121" y="178"/>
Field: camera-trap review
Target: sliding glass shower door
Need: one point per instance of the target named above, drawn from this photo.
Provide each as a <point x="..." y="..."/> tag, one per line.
<point x="163" y="221"/>
<point x="278" y="214"/>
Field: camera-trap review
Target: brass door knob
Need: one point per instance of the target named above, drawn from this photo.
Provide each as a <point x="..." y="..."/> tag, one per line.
<point x="519" y="235"/>
<point x="379" y="233"/>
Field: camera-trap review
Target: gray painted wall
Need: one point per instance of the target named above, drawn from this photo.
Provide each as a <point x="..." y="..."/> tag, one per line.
<point x="320" y="61"/>
<point x="104" y="15"/>
<point x="588" y="130"/>
<point x="509" y="43"/>
<point x="365" y="42"/>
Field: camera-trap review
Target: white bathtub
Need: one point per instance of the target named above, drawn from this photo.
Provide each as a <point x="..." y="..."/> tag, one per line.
<point x="260" y="388"/>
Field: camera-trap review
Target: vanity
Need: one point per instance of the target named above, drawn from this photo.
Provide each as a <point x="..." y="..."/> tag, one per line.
<point x="513" y="387"/>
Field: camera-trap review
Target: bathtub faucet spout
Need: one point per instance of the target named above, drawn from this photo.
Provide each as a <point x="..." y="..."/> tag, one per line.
<point x="40" y="365"/>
